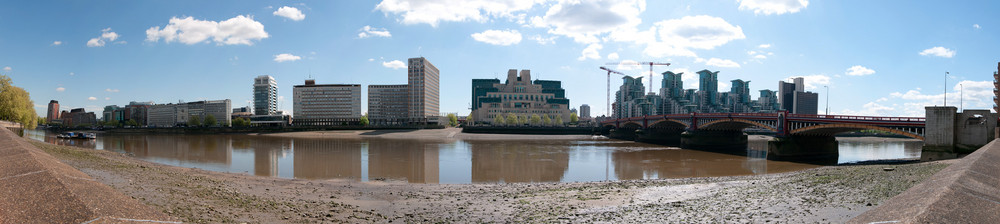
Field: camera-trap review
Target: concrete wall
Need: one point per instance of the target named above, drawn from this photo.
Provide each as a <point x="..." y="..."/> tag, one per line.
<point x="965" y="192"/>
<point x="973" y="129"/>
<point x="939" y="134"/>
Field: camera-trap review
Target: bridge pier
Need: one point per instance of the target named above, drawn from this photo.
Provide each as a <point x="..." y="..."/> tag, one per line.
<point x="713" y="140"/>
<point x="622" y="133"/>
<point x="669" y="137"/>
<point x="803" y="148"/>
<point x="951" y="134"/>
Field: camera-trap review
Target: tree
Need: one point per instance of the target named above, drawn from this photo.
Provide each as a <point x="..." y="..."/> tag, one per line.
<point x="132" y="122"/>
<point x="522" y="120"/>
<point x="573" y="118"/>
<point x="498" y="120"/>
<point x="535" y="119"/>
<point x="16" y="104"/>
<point x="194" y="121"/>
<point x="559" y="121"/>
<point x="210" y="120"/>
<point x="113" y="123"/>
<point x="452" y="120"/>
<point x="511" y="119"/>
<point x="548" y="120"/>
<point x="41" y="121"/>
<point x="364" y="120"/>
<point x="469" y="120"/>
<point x="241" y="122"/>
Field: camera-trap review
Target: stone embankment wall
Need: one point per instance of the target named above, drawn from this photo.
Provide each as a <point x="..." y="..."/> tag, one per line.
<point x="36" y="188"/>
<point x="965" y="192"/>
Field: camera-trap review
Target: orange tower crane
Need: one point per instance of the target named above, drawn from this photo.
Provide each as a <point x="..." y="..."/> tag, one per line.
<point x="608" y="99"/>
<point x="651" y="64"/>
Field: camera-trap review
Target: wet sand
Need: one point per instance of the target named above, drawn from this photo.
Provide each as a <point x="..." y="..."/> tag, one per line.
<point x="825" y="194"/>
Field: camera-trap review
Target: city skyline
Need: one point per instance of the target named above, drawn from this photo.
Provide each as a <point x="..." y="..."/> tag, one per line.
<point x="878" y="58"/>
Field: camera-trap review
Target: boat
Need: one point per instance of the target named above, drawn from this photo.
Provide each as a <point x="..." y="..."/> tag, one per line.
<point x="77" y="135"/>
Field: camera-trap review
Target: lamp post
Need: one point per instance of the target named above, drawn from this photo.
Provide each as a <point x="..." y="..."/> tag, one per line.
<point x="946" y="89"/>
<point x="961" y="97"/>
<point x="827" y="99"/>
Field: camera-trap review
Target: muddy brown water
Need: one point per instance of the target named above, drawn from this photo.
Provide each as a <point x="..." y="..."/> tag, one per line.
<point x="463" y="161"/>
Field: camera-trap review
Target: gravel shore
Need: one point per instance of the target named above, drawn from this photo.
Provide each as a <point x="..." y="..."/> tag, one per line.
<point x="827" y="195"/>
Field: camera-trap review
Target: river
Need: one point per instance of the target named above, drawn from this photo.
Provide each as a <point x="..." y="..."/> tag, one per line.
<point x="463" y="161"/>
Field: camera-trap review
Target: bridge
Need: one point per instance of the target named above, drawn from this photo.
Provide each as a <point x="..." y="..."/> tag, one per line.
<point x="798" y="136"/>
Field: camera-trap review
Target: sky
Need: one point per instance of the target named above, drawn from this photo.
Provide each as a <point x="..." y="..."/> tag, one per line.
<point x="877" y="58"/>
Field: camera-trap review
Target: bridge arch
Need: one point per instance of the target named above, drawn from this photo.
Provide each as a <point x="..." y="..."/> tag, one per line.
<point x="630" y="125"/>
<point x="734" y="124"/>
<point x="669" y="123"/>
<point x="832" y="129"/>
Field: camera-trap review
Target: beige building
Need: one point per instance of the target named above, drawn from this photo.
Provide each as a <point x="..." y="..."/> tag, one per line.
<point x="387" y="104"/>
<point x="326" y="104"/>
<point x="169" y="115"/>
<point x="424" y="91"/>
<point x="519" y="95"/>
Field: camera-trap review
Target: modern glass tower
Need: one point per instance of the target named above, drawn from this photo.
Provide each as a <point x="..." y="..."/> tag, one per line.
<point x="265" y="95"/>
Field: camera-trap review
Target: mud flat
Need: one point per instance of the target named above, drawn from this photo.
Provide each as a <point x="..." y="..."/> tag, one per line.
<point x="826" y="194"/>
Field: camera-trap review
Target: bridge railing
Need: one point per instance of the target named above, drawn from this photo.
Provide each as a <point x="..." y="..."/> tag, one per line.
<point x="860" y="118"/>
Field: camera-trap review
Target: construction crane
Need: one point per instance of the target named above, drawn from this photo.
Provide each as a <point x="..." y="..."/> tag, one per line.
<point x="651" y="64"/>
<point x="608" y="99"/>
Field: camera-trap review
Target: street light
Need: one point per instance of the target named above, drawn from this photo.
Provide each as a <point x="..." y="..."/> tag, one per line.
<point x="827" y="99"/>
<point x="961" y="96"/>
<point x="946" y="89"/>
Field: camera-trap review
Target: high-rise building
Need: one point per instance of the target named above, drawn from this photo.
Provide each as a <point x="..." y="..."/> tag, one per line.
<point x="585" y="111"/>
<point x="424" y="91"/>
<point x="326" y="104"/>
<point x="522" y="97"/>
<point x="708" y="92"/>
<point x="805" y="103"/>
<point x="53" y="112"/>
<point x="739" y="97"/>
<point x="767" y="102"/>
<point x="625" y="106"/>
<point x="996" y="89"/>
<point x="480" y="88"/>
<point x="387" y="104"/>
<point x="265" y="95"/>
<point x="785" y="97"/>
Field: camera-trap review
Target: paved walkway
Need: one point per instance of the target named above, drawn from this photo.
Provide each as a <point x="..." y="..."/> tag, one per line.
<point x="965" y="192"/>
<point x="36" y="188"/>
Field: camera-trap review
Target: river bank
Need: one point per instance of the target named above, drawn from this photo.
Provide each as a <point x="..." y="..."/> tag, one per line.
<point x="826" y="194"/>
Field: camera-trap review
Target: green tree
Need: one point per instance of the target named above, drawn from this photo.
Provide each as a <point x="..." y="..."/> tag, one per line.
<point x="511" y="119"/>
<point x="210" y="120"/>
<point x="16" y="104"/>
<point x="241" y="122"/>
<point x="194" y="121"/>
<point x="535" y="119"/>
<point x="113" y="123"/>
<point x="364" y="120"/>
<point x="548" y="120"/>
<point x="452" y="120"/>
<point x="469" y="120"/>
<point x="522" y="120"/>
<point x="132" y="122"/>
<point x="41" y="121"/>
<point x="498" y="120"/>
<point x="573" y="118"/>
<point x="559" y="121"/>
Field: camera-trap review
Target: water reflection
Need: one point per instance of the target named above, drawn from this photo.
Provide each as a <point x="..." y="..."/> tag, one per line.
<point x="440" y="161"/>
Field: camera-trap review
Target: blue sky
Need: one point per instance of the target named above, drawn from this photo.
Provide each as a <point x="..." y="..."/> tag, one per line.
<point x="877" y="57"/>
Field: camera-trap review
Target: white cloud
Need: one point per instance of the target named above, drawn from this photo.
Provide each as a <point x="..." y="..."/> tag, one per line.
<point x="237" y="30"/>
<point x="760" y="56"/>
<point x="976" y="26"/>
<point x="543" y="40"/>
<point x="938" y="51"/>
<point x="717" y="62"/>
<point x="498" y="37"/>
<point x="613" y="56"/>
<point x="290" y="12"/>
<point x="7" y="69"/>
<point x="56" y="43"/>
<point x="394" y="64"/>
<point x="971" y="94"/>
<point x="371" y="59"/>
<point x="286" y="57"/>
<point x="60" y="89"/>
<point x="432" y="12"/>
<point x="591" y="52"/>
<point x="812" y="81"/>
<point x="584" y="21"/>
<point x="764" y="46"/>
<point x="72" y="74"/>
<point x="872" y="109"/>
<point x="111" y="90"/>
<point x="677" y="37"/>
<point x="106" y="36"/>
<point x="107" y="98"/>
<point x="768" y="7"/>
<point x="91" y="98"/>
<point x="858" y="70"/>
<point x="369" y="31"/>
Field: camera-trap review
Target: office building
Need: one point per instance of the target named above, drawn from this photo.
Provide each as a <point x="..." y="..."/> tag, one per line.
<point x="767" y="102"/>
<point x="585" y="111"/>
<point x="326" y="104"/>
<point x="708" y="92"/>
<point x="109" y="112"/>
<point x="625" y="104"/>
<point x="53" y="112"/>
<point x="387" y="104"/>
<point x="170" y="115"/>
<point x="738" y="98"/>
<point x="520" y="96"/>
<point x="424" y="91"/>
<point x="805" y="103"/>
<point x="78" y="117"/>
<point x="265" y="95"/>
